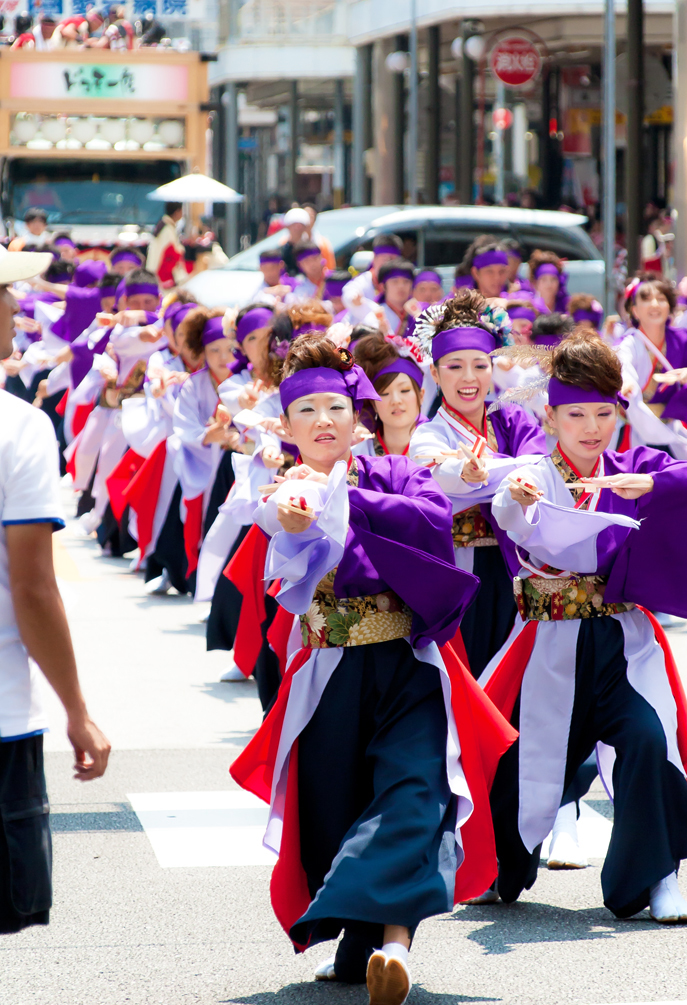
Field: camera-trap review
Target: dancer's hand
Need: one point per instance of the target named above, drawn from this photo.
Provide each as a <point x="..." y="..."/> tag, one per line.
<point x="630" y="486"/>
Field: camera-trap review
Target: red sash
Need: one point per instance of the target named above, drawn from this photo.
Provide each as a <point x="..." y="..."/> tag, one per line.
<point x="120" y="479"/>
<point x="143" y="491"/>
<point x="246" y="571"/>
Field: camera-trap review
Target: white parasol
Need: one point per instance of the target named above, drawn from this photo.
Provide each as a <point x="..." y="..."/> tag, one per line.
<point x="195" y="188"/>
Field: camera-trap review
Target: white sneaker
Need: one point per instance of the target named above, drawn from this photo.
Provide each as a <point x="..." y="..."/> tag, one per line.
<point x="158" y="586"/>
<point x="133" y="564"/>
<point x="490" y="896"/>
<point x="86" y="524"/>
<point x="232" y="674"/>
<point x="565" y="851"/>
<point x="325" y="971"/>
<point x="667" y="905"/>
<point x="388" y="980"/>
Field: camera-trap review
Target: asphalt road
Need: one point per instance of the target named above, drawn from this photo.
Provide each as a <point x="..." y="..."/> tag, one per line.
<point x="162" y="887"/>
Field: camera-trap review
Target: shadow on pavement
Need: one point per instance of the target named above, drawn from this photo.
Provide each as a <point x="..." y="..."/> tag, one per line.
<point x="323" y="991"/>
<point x="513" y="925"/>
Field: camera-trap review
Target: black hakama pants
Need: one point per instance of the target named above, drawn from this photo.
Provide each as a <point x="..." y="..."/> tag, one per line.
<point x="377" y="817"/>
<point x="649" y="836"/>
<point x="170" y="552"/>
<point x="488" y="621"/>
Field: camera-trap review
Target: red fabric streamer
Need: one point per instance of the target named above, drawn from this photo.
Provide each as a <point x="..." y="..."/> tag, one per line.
<point x="503" y="687"/>
<point x="193" y="531"/>
<point x="246" y="571"/>
<point x="484" y="735"/>
<point x="81" y="413"/>
<point x="120" y="478"/>
<point x="143" y="491"/>
<point x="62" y="404"/>
<point x="676" y="685"/>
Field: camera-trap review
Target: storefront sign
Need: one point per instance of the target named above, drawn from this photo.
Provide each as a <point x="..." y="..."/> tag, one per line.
<point x="515" y="61"/>
<point x="131" y="82"/>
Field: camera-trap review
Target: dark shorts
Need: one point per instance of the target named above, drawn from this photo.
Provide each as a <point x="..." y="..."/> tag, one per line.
<point x="25" y="847"/>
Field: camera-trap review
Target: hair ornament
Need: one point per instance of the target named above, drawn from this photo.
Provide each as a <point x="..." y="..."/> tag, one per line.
<point x="497" y="321"/>
<point x="631" y="287"/>
<point x="347" y="360"/>
<point x="426" y="325"/>
<point x="528" y="355"/>
<point x="522" y="394"/>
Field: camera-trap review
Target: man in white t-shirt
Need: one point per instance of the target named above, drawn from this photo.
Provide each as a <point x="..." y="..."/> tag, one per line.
<point x="32" y="624"/>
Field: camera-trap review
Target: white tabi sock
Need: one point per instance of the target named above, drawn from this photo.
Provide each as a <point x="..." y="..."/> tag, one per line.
<point x="396" y="951"/>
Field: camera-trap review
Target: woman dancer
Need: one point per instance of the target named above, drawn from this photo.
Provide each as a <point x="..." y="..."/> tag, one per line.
<point x="203" y="462"/>
<point x="398" y="382"/>
<point x="549" y="280"/>
<point x="364" y="800"/>
<point x="596" y="532"/>
<point x="469" y="453"/>
<point x="653" y="356"/>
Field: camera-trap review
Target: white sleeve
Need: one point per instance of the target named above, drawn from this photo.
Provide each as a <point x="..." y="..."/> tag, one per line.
<point x="301" y="560"/>
<point x="32" y="487"/>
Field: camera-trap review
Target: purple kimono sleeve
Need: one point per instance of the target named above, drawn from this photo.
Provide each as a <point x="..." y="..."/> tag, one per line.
<point x="403" y="522"/>
<point x="517" y="432"/>
<point x="82" y="357"/>
<point x="649" y="566"/>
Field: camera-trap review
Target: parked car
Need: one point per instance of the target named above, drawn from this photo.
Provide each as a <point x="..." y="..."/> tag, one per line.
<point x="433" y="237"/>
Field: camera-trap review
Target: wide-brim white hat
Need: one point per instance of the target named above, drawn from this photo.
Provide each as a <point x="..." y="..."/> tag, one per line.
<point x="18" y="265"/>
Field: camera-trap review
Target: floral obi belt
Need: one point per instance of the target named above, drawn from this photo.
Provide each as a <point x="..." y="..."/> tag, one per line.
<point x="331" y="621"/>
<point x="564" y="598"/>
<point x="471" y="530"/>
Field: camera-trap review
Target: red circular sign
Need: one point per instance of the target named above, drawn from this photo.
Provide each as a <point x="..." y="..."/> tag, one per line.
<point x="515" y="61"/>
<point x="502" y="118"/>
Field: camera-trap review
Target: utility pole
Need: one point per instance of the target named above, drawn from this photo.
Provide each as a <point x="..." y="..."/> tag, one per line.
<point x="413" y="110"/>
<point x="465" y="129"/>
<point x="609" y="195"/>
<point x="635" y="127"/>
<point x="680" y="134"/>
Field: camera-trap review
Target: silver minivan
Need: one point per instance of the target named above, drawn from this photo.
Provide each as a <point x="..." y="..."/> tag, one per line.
<point x="433" y="236"/>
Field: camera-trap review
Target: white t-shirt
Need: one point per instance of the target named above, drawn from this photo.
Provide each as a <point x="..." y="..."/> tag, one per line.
<point x="29" y="493"/>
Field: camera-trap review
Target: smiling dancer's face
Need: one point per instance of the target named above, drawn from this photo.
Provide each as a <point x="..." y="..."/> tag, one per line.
<point x="464" y="378"/>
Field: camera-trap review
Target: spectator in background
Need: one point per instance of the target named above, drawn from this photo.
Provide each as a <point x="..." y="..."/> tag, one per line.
<point x="117" y="33"/>
<point x="24" y="38"/>
<point x="320" y="240"/>
<point x="74" y="31"/>
<point x="297" y="222"/>
<point x="36" y="220"/>
<point x="166" y="253"/>
<point x="32" y="624"/>
<point x="152" y="32"/>
<point x="43" y="31"/>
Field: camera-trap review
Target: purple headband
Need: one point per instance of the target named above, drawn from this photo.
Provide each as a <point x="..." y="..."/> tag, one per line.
<point x="260" y="317"/>
<point x="271" y="256"/>
<point x="108" y="291"/>
<point x="334" y="287"/>
<point x="125" y="255"/>
<point x="394" y="273"/>
<point x="176" y="316"/>
<point x="307" y="253"/>
<point x="454" y="339"/>
<point x="403" y="365"/>
<point x="138" y="289"/>
<point x="67" y="241"/>
<point x="461" y="282"/>
<point x="213" y="330"/>
<point x="352" y="383"/>
<point x="428" y="276"/>
<point x="386" y="249"/>
<point x="571" y="394"/>
<point x="90" y="271"/>
<point x="308" y="328"/>
<point x="596" y="317"/>
<point x="522" y="312"/>
<point x="547" y="340"/>
<point x="547" y="269"/>
<point x="120" y="291"/>
<point x="493" y="257"/>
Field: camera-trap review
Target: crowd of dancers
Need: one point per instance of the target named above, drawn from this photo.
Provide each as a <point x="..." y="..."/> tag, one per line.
<point x="442" y="531"/>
